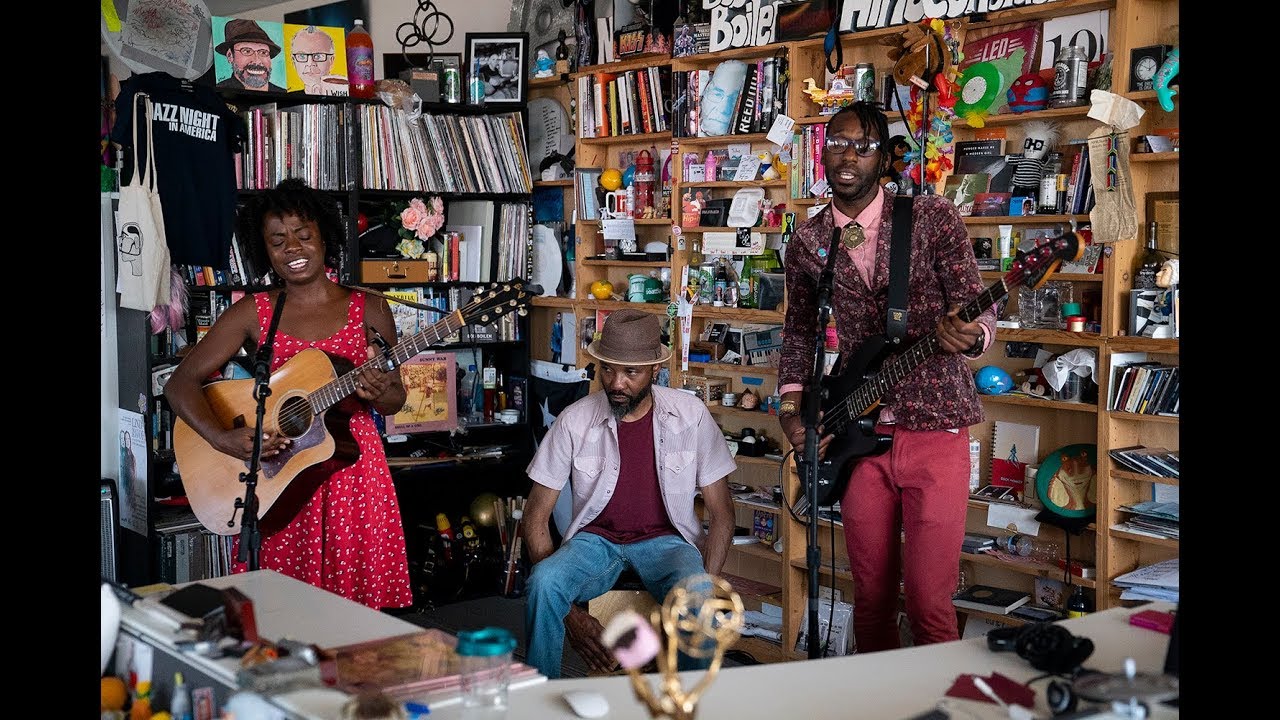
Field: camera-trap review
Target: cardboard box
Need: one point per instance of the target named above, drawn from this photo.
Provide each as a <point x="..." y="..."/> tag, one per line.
<point x="709" y="389"/>
<point x="398" y="270"/>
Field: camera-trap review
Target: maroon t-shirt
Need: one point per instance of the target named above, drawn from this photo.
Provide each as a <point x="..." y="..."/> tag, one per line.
<point x="635" y="512"/>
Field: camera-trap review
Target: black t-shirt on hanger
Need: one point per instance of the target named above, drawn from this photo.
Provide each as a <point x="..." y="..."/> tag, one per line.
<point x="196" y="140"/>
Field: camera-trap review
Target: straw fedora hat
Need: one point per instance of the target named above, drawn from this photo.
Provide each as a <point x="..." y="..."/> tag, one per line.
<point x="630" y="337"/>
<point x="242" y="30"/>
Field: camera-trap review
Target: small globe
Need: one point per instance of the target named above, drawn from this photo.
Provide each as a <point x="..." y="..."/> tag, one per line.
<point x="611" y="179"/>
<point x="483" y="511"/>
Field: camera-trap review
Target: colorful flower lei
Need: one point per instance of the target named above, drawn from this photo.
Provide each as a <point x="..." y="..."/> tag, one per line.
<point x="935" y="137"/>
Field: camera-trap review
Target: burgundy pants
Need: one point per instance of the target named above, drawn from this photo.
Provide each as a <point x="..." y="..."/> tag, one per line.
<point x="920" y="487"/>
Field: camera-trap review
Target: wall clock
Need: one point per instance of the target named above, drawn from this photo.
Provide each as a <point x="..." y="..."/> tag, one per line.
<point x="1143" y="64"/>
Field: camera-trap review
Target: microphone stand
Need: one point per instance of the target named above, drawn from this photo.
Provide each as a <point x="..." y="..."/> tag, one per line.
<point x="250" y="535"/>
<point x="810" y="405"/>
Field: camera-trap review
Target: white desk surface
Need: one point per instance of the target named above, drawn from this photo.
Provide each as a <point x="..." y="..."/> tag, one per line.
<point x="893" y="685"/>
<point x="889" y="685"/>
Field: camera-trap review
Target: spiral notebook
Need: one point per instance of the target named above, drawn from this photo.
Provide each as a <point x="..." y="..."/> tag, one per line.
<point x="1013" y="447"/>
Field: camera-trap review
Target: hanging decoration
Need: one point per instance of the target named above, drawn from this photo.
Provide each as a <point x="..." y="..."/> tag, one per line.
<point x="429" y="26"/>
<point x="925" y="56"/>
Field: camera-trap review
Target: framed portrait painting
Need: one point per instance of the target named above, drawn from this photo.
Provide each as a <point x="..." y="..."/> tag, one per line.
<point x="497" y="64"/>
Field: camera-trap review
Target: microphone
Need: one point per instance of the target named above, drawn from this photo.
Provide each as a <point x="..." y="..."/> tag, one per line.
<point x="262" y="367"/>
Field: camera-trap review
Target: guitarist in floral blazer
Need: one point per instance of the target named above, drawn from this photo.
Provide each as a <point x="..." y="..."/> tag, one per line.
<point x="921" y="484"/>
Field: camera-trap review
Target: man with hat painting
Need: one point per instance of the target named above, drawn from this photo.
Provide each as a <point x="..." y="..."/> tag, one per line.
<point x="250" y="51"/>
<point x="634" y="455"/>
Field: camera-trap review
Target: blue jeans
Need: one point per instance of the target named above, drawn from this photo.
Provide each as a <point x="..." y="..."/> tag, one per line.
<point x="586" y="567"/>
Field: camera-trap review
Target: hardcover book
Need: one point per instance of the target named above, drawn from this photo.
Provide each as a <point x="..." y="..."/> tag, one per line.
<point x="992" y="204"/>
<point x="985" y="156"/>
<point x="403" y="666"/>
<point x="990" y="599"/>
<point x="963" y="190"/>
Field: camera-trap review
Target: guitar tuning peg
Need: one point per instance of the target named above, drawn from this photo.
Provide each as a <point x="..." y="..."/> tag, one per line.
<point x="522" y="312"/>
<point x="485" y="318"/>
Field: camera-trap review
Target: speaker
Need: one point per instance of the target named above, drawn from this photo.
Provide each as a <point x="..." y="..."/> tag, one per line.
<point x="109" y="524"/>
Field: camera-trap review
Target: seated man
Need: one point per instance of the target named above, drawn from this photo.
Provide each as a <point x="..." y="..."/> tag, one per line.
<point x="636" y="453"/>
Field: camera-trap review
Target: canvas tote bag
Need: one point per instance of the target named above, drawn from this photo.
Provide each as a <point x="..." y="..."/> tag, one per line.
<point x="143" y="255"/>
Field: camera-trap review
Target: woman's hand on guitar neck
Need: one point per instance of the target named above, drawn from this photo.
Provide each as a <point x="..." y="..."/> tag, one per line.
<point x="238" y="443"/>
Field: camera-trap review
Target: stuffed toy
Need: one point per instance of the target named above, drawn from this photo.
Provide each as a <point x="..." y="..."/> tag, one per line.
<point x="1038" y="140"/>
<point x="1029" y="92"/>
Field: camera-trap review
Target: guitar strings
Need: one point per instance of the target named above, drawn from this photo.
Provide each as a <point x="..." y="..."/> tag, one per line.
<point x="295" y="413"/>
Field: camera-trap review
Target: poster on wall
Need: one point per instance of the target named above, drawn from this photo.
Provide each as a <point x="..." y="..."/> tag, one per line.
<point x="133" y="471"/>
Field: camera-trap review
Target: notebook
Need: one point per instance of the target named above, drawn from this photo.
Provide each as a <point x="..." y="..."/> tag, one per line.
<point x="1013" y="447"/>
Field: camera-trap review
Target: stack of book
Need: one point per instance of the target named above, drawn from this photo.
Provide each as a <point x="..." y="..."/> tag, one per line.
<point x="986" y="598"/>
<point x="1155" y="519"/>
<point x="1147" y="461"/>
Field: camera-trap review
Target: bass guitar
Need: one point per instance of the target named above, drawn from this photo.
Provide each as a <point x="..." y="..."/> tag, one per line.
<point x="851" y="400"/>
<point x="311" y="402"/>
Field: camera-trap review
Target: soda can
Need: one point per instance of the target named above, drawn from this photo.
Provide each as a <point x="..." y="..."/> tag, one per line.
<point x="452" y="85"/>
<point x="864" y="81"/>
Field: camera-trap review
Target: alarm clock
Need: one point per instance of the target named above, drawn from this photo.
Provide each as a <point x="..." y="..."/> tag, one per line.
<point x="1143" y="64"/>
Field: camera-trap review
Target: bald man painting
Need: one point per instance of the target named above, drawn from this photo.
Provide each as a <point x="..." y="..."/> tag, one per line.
<point x="316" y="59"/>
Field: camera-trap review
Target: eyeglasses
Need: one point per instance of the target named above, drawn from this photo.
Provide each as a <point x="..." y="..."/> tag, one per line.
<point x="250" y="52"/>
<point x="312" y="57"/>
<point x="864" y="147"/>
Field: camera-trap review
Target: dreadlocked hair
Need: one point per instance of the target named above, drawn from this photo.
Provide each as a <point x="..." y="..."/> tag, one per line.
<point x="291" y="197"/>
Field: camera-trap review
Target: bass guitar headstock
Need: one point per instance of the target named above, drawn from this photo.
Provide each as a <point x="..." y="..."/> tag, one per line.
<point x="1032" y="267"/>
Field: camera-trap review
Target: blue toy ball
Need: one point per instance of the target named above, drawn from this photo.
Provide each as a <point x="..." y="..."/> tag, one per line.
<point x="991" y="380"/>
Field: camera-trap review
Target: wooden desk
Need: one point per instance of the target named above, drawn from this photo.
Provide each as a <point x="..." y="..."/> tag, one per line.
<point x="891" y="685"/>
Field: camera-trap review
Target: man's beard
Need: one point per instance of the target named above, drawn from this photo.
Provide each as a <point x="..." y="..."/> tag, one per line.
<point x="255" y="81"/>
<point x="620" y="409"/>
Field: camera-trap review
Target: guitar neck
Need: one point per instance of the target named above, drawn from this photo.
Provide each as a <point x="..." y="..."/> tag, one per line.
<point x="336" y="391"/>
<point x="903" y="364"/>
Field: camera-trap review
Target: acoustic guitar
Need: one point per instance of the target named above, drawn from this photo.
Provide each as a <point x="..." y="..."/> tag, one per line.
<point x="851" y="399"/>
<point x="311" y="402"/>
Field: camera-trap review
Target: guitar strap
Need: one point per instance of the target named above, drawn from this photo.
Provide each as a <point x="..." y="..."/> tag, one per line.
<point x="899" y="269"/>
<point x="390" y="298"/>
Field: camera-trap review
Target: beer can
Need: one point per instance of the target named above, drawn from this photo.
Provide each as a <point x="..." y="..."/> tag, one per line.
<point x="864" y="81"/>
<point x="452" y="85"/>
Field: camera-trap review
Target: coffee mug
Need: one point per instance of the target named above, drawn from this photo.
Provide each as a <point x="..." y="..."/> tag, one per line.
<point x="336" y="85"/>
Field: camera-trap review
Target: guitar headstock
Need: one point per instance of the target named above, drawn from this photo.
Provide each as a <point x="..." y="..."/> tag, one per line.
<point x="498" y="299"/>
<point x="1032" y="267"/>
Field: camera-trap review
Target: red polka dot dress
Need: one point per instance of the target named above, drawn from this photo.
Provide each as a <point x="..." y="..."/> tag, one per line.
<point x="348" y="539"/>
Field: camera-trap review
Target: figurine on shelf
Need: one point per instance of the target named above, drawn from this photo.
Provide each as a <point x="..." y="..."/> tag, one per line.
<point x="562" y="54"/>
<point x="543" y="65"/>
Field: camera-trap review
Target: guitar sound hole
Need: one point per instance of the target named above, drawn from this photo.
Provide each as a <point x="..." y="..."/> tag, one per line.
<point x="295" y="417"/>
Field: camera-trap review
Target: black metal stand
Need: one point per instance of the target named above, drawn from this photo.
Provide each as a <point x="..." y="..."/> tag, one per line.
<point x="811" y="405"/>
<point x="250" y="535"/>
